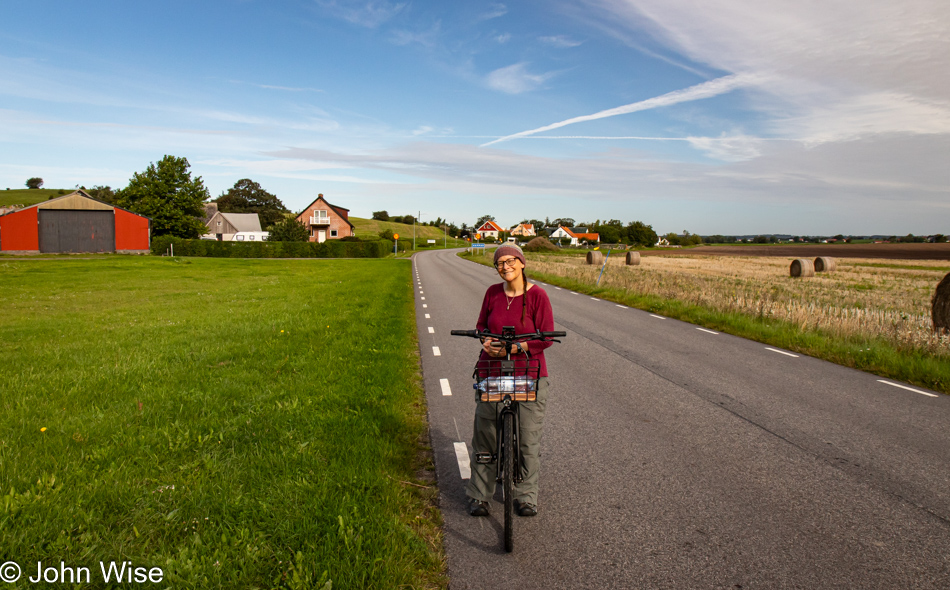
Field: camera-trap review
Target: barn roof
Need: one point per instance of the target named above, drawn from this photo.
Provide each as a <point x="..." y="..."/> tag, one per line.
<point x="242" y="221"/>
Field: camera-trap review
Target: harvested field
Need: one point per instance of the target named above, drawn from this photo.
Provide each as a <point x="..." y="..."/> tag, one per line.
<point x="890" y="251"/>
<point x="865" y="297"/>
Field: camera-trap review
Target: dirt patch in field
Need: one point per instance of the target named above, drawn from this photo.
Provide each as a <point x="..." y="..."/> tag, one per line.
<point x="891" y="251"/>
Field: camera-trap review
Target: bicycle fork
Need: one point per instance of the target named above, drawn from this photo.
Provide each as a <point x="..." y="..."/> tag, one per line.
<point x="489" y="458"/>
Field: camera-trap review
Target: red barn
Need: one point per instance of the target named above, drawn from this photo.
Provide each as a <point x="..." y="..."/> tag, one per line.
<point x="74" y="223"/>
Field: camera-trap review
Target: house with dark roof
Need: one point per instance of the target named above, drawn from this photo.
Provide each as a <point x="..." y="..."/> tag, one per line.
<point x="326" y="221"/>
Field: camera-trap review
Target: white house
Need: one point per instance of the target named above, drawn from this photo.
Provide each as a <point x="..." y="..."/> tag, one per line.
<point x="489" y="229"/>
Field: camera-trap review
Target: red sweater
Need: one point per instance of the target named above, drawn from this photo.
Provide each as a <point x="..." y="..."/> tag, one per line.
<point x="496" y="314"/>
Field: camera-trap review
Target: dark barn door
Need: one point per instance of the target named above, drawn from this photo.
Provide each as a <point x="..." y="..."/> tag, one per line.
<point x="77" y="231"/>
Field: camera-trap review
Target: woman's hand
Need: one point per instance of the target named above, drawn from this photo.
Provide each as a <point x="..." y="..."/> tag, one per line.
<point x="497" y="351"/>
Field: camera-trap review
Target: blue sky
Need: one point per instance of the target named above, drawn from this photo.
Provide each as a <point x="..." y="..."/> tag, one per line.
<point x="721" y="116"/>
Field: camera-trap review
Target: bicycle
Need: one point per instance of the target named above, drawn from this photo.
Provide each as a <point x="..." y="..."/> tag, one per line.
<point x="508" y="382"/>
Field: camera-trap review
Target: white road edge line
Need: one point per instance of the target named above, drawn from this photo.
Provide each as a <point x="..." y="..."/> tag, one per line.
<point x="431" y="330"/>
<point x="707" y="331"/>
<point x="436" y="351"/>
<point x="659" y="317"/>
<point x="465" y="465"/>
<point x="782" y="352"/>
<point x="907" y="388"/>
<point x="621" y="306"/>
<point x="595" y="299"/>
<point x="446" y="389"/>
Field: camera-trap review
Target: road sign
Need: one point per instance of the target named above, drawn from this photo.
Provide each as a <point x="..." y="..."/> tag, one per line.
<point x="430" y="241"/>
<point x="395" y="236"/>
<point x="478" y="245"/>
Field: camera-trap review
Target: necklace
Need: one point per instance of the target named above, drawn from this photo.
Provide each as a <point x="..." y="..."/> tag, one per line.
<point x="510" y="301"/>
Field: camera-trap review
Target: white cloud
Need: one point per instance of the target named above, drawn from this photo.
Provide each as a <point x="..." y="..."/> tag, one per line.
<point x="560" y="41"/>
<point x="364" y="13"/>
<point x="494" y="11"/>
<point x="837" y="69"/>
<point x="503" y="38"/>
<point x="427" y="38"/>
<point x="515" y="79"/>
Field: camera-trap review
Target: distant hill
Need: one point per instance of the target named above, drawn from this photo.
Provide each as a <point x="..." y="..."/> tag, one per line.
<point x="29" y="196"/>
<point x="370" y="228"/>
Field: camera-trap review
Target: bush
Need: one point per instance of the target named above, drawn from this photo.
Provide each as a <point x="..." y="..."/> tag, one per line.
<point x="269" y="249"/>
<point x="539" y="244"/>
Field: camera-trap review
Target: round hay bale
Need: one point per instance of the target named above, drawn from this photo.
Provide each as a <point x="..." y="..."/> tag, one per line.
<point x="539" y="244"/>
<point x="802" y="267"/>
<point x="825" y="264"/>
<point x="940" y="306"/>
<point x="633" y="258"/>
<point x="595" y="257"/>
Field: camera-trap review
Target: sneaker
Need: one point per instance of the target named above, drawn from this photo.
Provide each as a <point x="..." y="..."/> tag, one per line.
<point x="525" y="509"/>
<point x="477" y="507"/>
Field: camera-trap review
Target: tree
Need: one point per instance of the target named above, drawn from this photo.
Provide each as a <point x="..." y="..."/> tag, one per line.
<point x="381" y="215"/>
<point x="288" y="229"/>
<point x="34" y="182"/>
<point x="387" y="234"/>
<point x="247" y="196"/>
<point x="483" y="219"/>
<point x="102" y="193"/>
<point x="641" y="233"/>
<point x="168" y="195"/>
<point x="565" y="221"/>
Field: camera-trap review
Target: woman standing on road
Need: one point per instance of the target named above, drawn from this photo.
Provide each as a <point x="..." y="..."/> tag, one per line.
<point x="515" y="302"/>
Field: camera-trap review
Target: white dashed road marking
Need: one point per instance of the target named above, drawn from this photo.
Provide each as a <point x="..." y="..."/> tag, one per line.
<point x="436" y="351"/>
<point x="707" y="331"/>
<point x="659" y="317"/>
<point x="595" y="299"/>
<point x="465" y="465"/>
<point x="446" y="390"/>
<point x="907" y="388"/>
<point x="423" y="298"/>
<point x="427" y="317"/>
<point x="618" y="305"/>
<point x="431" y="330"/>
<point x="425" y="305"/>
<point x="782" y="352"/>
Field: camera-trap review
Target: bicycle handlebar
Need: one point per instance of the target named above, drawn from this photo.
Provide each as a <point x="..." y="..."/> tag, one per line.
<point x="515" y="338"/>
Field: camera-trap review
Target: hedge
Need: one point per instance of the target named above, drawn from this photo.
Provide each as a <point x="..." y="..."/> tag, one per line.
<point x="328" y="249"/>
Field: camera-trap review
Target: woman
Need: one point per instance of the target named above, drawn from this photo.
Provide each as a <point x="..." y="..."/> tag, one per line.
<point x="515" y="302"/>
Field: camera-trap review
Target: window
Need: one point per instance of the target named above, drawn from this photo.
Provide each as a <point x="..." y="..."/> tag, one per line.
<point x="251" y="238"/>
<point x="239" y="238"/>
<point x="332" y="233"/>
<point x="321" y="214"/>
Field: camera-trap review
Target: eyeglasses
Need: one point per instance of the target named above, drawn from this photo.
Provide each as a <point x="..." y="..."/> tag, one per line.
<point x="510" y="263"/>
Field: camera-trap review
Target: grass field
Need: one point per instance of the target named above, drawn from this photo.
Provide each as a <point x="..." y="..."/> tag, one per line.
<point x="370" y="228"/>
<point x="237" y="423"/>
<point x="869" y="315"/>
<point x="27" y="196"/>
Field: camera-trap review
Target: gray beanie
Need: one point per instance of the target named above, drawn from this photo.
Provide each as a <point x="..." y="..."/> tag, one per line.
<point x="509" y="249"/>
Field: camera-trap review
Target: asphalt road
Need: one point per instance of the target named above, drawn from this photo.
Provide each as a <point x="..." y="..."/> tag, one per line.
<point x="674" y="457"/>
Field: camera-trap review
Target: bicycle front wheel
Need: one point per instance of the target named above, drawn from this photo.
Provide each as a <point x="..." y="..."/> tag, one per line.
<point x="508" y="477"/>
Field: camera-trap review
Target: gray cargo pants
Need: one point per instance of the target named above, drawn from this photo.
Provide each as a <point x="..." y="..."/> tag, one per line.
<point x="481" y="486"/>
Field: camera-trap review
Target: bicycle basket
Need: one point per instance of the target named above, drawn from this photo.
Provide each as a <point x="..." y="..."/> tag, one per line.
<point x="517" y="379"/>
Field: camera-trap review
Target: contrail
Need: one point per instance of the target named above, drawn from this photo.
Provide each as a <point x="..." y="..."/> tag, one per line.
<point x="704" y="90"/>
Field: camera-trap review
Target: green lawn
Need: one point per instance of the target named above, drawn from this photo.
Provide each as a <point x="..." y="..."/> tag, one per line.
<point x="238" y="423"/>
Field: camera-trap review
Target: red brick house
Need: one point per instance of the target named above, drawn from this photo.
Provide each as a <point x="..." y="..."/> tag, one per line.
<point x="326" y="221"/>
